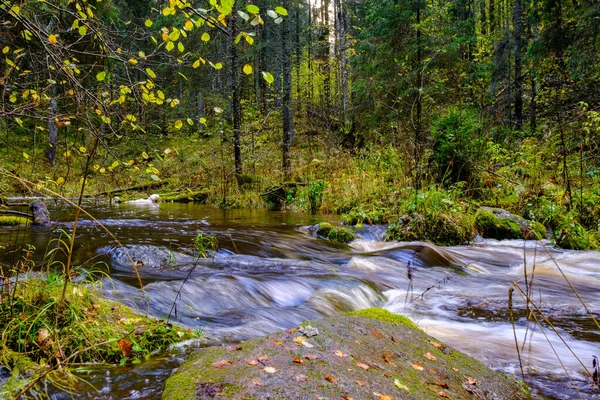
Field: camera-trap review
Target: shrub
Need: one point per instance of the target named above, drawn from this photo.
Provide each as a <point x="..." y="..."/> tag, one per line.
<point x="571" y="235"/>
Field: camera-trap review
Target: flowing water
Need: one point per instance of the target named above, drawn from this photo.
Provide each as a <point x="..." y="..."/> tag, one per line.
<point x="272" y="273"/>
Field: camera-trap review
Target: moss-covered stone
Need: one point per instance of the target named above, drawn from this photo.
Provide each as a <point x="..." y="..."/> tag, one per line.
<point x="499" y="224"/>
<point x="324" y="229"/>
<point x="380" y="314"/>
<point x="9" y="220"/>
<point x="375" y="348"/>
<point x="341" y="235"/>
<point x="443" y="229"/>
<point x="186" y="197"/>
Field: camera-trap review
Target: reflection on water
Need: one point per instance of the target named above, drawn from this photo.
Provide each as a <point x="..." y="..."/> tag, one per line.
<point x="270" y="274"/>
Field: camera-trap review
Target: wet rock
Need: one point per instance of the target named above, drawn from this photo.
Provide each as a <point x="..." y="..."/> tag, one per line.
<point x="41" y="216"/>
<point x="308" y="330"/>
<point x="496" y="223"/>
<point x="395" y="358"/>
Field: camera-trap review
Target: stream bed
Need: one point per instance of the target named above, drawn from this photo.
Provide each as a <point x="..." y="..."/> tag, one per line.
<point x="270" y="273"/>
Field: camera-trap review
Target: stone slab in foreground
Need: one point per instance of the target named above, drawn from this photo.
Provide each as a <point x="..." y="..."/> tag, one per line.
<point x="371" y="354"/>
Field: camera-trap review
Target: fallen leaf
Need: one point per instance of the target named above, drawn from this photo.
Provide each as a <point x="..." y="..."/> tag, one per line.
<point x="263" y="358"/>
<point x="435" y="344"/>
<point x="430" y="356"/>
<point x="363" y="366"/>
<point x="454" y="369"/>
<point x="331" y="379"/>
<point x="394" y="339"/>
<point x="471" y="381"/>
<point x="125" y="346"/>
<point x="360" y="383"/>
<point x="301" y="378"/>
<point x="221" y="363"/>
<point x="234" y="348"/>
<point x="357" y="342"/>
<point x="278" y="343"/>
<point x="385" y="397"/>
<point x="418" y="366"/>
<point x="270" y="370"/>
<point x="306" y="344"/>
<point x="347" y="398"/>
<point x="387" y="374"/>
<point x="297" y="360"/>
<point x="311" y="356"/>
<point x="443" y="394"/>
<point x="387" y="360"/>
<point x="400" y="385"/>
<point x="252" y="362"/>
<point x="377" y="334"/>
<point x="300" y="339"/>
<point x="292" y="330"/>
<point x="257" y="382"/>
<point x="340" y="353"/>
<point x="440" y="384"/>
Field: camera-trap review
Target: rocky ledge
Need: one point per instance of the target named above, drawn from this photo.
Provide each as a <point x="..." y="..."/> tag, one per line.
<point x="370" y="354"/>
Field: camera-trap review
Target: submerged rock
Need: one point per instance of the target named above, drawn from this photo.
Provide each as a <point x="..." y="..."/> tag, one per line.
<point x="41" y="216"/>
<point x="354" y="355"/>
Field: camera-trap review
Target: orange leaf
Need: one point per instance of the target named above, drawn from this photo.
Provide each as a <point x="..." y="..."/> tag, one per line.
<point x="418" y="366"/>
<point x="125" y="347"/>
<point x="263" y="358"/>
<point x="363" y="366"/>
<point x="435" y="344"/>
<point x="297" y="360"/>
<point x="443" y="394"/>
<point x="278" y="343"/>
<point x="331" y="379"/>
<point x="221" y="363"/>
<point x="387" y="360"/>
<point x="340" y="353"/>
<point x="252" y="362"/>
<point x="347" y="398"/>
<point x="360" y="383"/>
<point x="385" y="397"/>
<point x="430" y="356"/>
<point x="377" y="334"/>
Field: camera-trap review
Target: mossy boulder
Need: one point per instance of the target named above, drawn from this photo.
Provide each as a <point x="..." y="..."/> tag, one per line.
<point x="443" y="229"/>
<point x="353" y="355"/>
<point x="496" y="223"/>
<point x="336" y="234"/>
<point x="10" y="220"/>
<point x="186" y="197"/>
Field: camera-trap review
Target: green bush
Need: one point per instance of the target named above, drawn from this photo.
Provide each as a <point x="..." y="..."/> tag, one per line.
<point x="571" y="235"/>
<point x="359" y="216"/>
<point x="491" y="226"/>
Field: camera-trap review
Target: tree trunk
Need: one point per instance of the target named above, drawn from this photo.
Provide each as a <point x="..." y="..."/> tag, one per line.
<point x="236" y="95"/>
<point x="287" y="112"/>
<point x="341" y="17"/>
<point x="52" y="132"/>
<point x="518" y="66"/>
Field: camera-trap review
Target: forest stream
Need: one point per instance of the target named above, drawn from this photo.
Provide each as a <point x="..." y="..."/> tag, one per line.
<point x="270" y="273"/>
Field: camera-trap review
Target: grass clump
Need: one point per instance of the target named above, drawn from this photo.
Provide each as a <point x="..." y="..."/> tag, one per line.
<point x="572" y="235"/>
<point x="12" y="220"/>
<point x="380" y="314"/>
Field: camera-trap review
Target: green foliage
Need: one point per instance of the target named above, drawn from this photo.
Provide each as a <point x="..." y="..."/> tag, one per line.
<point x="205" y="244"/>
<point x="458" y="144"/>
<point x="571" y="235"/>
<point x="491" y="226"/>
<point x="315" y="195"/>
<point x="358" y="216"/>
<point x="443" y="229"/>
<point x="324" y="229"/>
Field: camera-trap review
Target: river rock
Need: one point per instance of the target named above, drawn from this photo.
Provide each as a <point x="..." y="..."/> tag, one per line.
<point x="388" y="356"/>
<point x="41" y="216"/>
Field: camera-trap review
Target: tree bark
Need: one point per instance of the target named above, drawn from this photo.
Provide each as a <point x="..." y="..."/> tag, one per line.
<point x="518" y="66"/>
<point x="52" y="132"/>
<point x="287" y="112"/>
<point x="236" y="95"/>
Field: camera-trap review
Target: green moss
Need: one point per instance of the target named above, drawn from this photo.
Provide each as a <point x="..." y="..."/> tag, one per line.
<point x="186" y="197"/>
<point x="379" y="314"/>
<point x="180" y="387"/>
<point x="341" y="235"/>
<point x="324" y="229"/>
<point x="441" y="228"/>
<point x="539" y="230"/>
<point x="11" y="220"/>
<point x="493" y="227"/>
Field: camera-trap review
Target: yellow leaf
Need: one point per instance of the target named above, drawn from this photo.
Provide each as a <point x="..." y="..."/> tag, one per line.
<point x="196" y="64"/>
<point x="132" y="61"/>
<point x="247" y="69"/>
<point x="190" y="122"/>
<point x="26" y="156"/>
<point x="203" y="121"/>
<point x="130" y="162"/>
<point x="114" y="165"/>
<point x="52" y="39"/>
<point x="144" y="155"/>
<point x="82" y="149"/>
<point x="150" y="73"/>
<point x="205" y="37"/>
<point x="174" y="35"/>
<point x="180" y="47"/>
<point x="249" y="39"/>
<point x="218" y="65"/>
<point x="60" y="181"/>
<point x="189" y="25"/>
<point x="178" y="124"/>
<point x="102" y="170"/>
<point x="5" y="50"/>
<point x="148" y="23"/>
<point x="170" y="46"/>
<point x="82" y="30"/>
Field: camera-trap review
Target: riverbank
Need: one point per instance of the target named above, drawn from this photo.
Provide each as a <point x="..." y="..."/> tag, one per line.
<point x="370" y="353"/>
